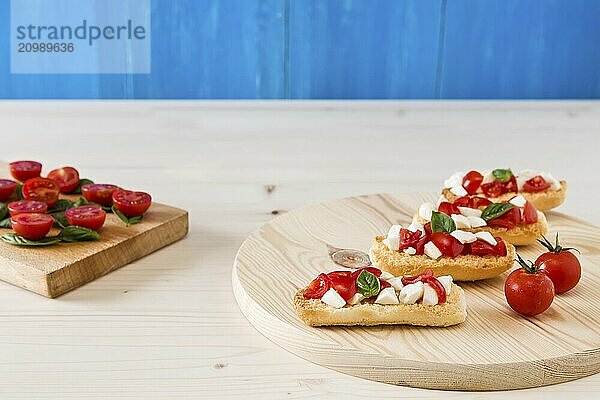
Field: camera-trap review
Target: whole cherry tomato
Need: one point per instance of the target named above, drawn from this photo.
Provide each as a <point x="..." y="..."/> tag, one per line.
<point x="561" y="265"/>
<point x="471" y="181"/>
<point x="528" y="290"/>
<point x="536" y="184"/>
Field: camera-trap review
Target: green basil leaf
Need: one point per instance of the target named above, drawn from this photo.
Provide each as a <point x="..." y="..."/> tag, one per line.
<point x="61" y="219"/>
<point x="60" y="206"/>
<point x="81" y="202"/>
<point x="5" y="223"/>
<point x="14" y="239"/>
<point x="82" y="182"/>
<point x="440" y="222"/>
<point x="107" y="209"/>
<point x="495" y="210"/>
<point x="77" y="234"/>
<point x="127" y="220"/>
<point x="19" y="191"/>
<point x="368" y="284"/>
<point x="503" y="175"/>
<point x="3" y="211"/>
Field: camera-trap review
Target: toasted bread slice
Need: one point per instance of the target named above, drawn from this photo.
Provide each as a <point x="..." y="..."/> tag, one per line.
<point x="521" y="235"/>
<point x="462" y="268"/>
<point x="316" y="313"/>
<point x="543" y="201"/>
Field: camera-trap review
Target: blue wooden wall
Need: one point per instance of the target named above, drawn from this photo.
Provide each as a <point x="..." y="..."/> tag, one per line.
<point x="350" y="49"/>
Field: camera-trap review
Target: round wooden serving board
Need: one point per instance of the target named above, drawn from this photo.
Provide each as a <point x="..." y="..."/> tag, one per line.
<point x="495" y="349"/>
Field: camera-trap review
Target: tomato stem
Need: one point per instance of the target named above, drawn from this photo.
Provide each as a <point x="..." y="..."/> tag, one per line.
<point x="555" y="248"/>
<point x="528" y="265"/>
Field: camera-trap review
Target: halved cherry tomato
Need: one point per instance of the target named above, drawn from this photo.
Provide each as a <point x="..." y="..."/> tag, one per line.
<point x="41" y="189"/>
<point x="471" y="181"/>
<point x="448" y="208"/>
<point x="27" y="207"/>
<point x="530" y="215"/>
<point x="32" y="226"/>
<point x="408" y="238"/>
<point x="344" y="283"/>
<point x="318" y="287"/>
<point x="464" y="201"/>
<point x="479" y="202"/>
<point x="448" y="244"/>
<point x="508" y="220"/>
<point x="130" y="203"/>
<point x="100" y="193"/>
<point x="7" y="188"/>
<point x="66" y="177"/>
<point x="23" y="170"/>
<point x="536" y="184"/>
<point x="493" y="189"/>
<point x="90" y="216"/>
<point x="483" y="248"/>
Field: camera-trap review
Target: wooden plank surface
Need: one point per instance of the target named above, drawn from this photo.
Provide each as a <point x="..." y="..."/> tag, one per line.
<point x="168" y="326"/>
<point x="495" y="349"/>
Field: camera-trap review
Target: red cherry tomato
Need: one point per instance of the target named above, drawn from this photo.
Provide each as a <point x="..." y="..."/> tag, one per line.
<point x="493" y="189"/>
<point x="27" y="207"/>
<point x="23" y="170"/>
<point x="561" y="265"/>
<point x="536" y="184"/>
<point x="508" y="220"/>
<point x="448" y="208"/>
<point x="91" y="216"/>
<point x="483" y="248"/>
<point x="511" y="185"/>
<point x="472" y="181"/>
<point x="41" y="189"/>
<point x="427" y="228"/>
<point x="130" y="203"/>
<point x="427" y="277"/>
<point x="448" y="244"/>
<point x="407" y="280"/>
<point x="100" y="193"/>
<point x="464" y="201"/>
<point x="408" y="238"/>
<point x="32" y="226"/>
<point x="344" y="283"/>
<point x="67" y="178"/>
<point x="479" y="202"/>
<point x="318" y="287"/>
<point x="528" y="290"/>
<point x="384" y="284"/>
<point x="420" y="245"/>
<point x="7" y="188"/>
<point x="530" y="215"/>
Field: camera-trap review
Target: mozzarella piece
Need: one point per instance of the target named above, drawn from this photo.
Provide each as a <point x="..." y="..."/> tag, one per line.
<point x="460" y="221"/>
<point x="488" y="177"/>
<point x="410" y="294"/>
<point x="425" y="211"/>
<point x="357" y="298"/>
<point x="396" y="283"/>
<point x="463" y="236"/>
<point x="459" y="191"/>
<point x="470" y="212"/>
<point x="387" y="296"/>
<point x="410" y="251"/>
<point x="432" y="251"/>
<point x="476" y="222"/>
<point x="386" y="276"/>
<point x="430" y="297"/>
<point x="486" y="237"/>
<point x="392" y="241"/>
<point x="333" y="298"/>
<point x="446" y="282"/>
<point x="518" y="201"/>
<point x="415" y="226"/>
<point x="454" y="180"/>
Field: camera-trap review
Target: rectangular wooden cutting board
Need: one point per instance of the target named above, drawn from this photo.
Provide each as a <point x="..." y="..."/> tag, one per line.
<point x="54" y="270"/>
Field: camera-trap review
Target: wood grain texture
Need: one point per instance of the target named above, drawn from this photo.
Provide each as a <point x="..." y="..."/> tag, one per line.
<point x="495" y="349"/>
<point x="167" y="326"/>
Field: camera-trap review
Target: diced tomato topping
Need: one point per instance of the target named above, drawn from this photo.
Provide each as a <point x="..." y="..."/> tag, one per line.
<point x="408" y="238"/>
<point x="427" y="277"/>
<point x="407" y="280"/>
<point x="479" y="202"/>
<point x="511" y="185"/>
<point x="530" y="215"/>
<point x="448" y="244"/>
<point x="462" y="201"/>
<point x="494" y="189"/>
<point x="536" y="184"/>
<point x="427" y="228"/>
<point x="318" y="287"/>
<point x="344" y="283"/>
<point x="483" y="248"/>
<point x="508" y="220"/>
<point x="448" y="208"/>
<point x="384" y="284"/>
<point x="420" y="246"/>
<point x="472" y="181"/>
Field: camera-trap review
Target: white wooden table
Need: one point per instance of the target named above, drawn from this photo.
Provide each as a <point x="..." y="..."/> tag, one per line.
<point x="168" y="326"/>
